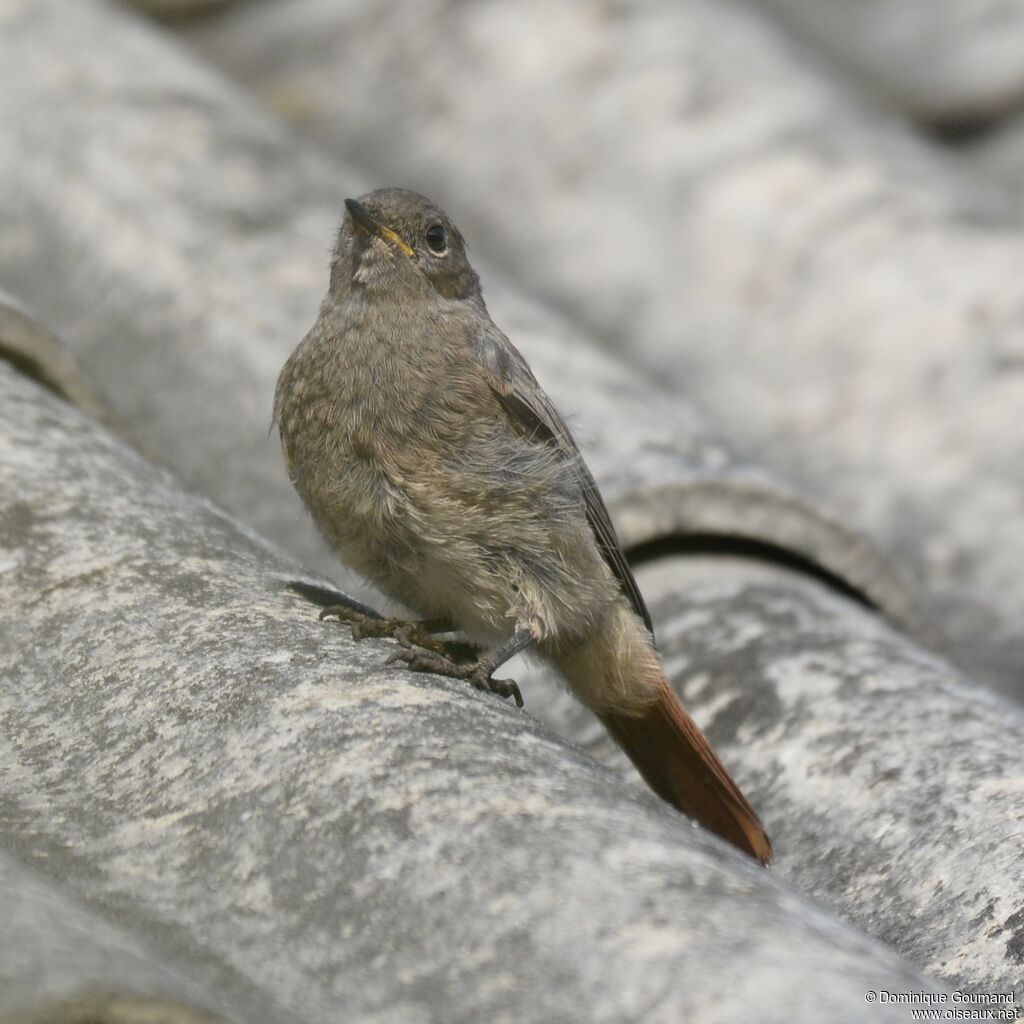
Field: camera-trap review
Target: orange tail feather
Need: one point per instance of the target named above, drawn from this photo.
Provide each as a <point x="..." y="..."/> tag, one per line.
<point x="677" y="762"/>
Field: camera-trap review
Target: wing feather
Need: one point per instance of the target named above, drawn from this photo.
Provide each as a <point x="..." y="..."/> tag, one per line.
<point x="532" y="412"/>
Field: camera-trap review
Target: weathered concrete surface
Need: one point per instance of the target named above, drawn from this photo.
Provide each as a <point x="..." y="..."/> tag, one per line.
<point x="61" y="963"/>
<point x="154" y="267"/>
<point x="893" y="788"/>
<point x="189" y="749"/>
<point x="179" y="241"/>
<point x="35" y="351"/>
<point x="176" y="8"/>
<point x="942" y="61"/>
<point x="132" y="280"/>
<point x="999" y="155"/>
<point x="843" y="302"/>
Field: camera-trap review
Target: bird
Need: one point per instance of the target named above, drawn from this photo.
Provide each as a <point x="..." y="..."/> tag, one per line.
<point x="437" y="468"/>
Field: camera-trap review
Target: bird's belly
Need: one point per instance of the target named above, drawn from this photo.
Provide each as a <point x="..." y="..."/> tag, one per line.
<point x="454" y="534"/>
<point x="418" y="547"/>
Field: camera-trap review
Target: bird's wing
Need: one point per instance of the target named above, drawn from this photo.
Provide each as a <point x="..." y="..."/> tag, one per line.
<point x="532" y="413"/>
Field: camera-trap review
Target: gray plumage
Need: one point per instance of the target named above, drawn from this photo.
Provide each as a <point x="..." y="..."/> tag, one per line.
<point x="438" y="468"/>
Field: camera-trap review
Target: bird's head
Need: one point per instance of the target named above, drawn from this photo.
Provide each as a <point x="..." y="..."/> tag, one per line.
<point x="393" y="241"/>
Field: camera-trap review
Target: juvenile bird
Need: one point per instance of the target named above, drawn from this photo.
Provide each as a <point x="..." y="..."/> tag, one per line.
<point x="439" y="469"/>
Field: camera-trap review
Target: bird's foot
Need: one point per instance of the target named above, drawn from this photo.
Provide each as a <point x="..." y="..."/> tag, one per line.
<point x="405" y="632"/>
<point x="478" y="673"/>
<point x="409" y="634"/>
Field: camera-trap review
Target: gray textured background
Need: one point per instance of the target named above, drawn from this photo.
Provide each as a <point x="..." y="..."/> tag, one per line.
<point x="766" y="256"/>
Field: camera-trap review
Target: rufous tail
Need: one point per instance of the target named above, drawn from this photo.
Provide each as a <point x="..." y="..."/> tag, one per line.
<point x="677" y="762"/>
<point x="659" y="736"/>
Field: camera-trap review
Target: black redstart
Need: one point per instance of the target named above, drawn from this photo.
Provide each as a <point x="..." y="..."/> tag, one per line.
<point x="438" y="468"/>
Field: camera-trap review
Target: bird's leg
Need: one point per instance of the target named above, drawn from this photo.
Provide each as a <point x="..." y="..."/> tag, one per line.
<point x="479" y="673"/>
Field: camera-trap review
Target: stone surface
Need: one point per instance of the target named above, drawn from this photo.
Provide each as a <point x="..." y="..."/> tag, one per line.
<point x="999" y="155"/>
<point x="60" y="962"/>
<point x="891" y="786"/>
<point x="844" y="303"/>
<point x="34" y="350"/>
<point x="315" y="837"/>
<point x="949" y="62"/>
<point x="177" y="8"/>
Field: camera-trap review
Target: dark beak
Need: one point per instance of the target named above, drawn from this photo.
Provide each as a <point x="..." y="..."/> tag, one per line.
<point x="362" y="218"/>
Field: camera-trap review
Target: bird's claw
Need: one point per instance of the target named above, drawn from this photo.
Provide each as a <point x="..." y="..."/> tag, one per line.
<point x="421" y="652"/>
<point x="478" y="673"/>
<point x="345" y="613"/>
<point x="507" y="688"/>
<point x="366" y="626"/>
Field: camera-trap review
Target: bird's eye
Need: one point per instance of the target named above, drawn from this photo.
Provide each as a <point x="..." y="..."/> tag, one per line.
<point x="437" y="239"/>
